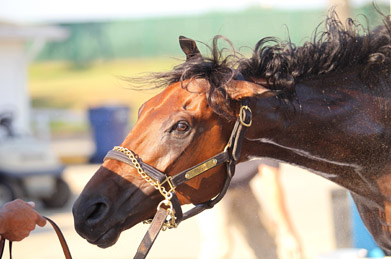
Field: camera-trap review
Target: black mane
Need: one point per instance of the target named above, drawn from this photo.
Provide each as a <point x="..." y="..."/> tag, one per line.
<point x="335" y="49"/>
<point x="283" y="64"/>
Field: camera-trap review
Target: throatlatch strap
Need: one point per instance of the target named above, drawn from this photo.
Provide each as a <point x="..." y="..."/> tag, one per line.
<point x="152" y="233"/>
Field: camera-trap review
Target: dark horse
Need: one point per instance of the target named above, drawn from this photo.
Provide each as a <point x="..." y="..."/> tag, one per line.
<point x="324" y="106"/>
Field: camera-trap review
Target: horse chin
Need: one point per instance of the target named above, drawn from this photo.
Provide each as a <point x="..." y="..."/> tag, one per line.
<point x="111" y="236"/>
<point x="108" y="239"/>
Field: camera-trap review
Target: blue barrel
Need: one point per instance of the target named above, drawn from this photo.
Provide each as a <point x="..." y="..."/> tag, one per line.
<point x="110" y="127"/>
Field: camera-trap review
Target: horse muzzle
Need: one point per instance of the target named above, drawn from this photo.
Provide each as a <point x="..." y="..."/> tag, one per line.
<point x="89" y="214"/>
<point x="108" y="205"/>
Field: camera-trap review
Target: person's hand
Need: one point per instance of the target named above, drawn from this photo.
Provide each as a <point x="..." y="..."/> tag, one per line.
<point x="18" y="218"/>
<point x="288" y="245"/>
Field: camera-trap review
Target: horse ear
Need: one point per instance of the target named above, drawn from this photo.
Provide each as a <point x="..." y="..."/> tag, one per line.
<point x="189" y="47"/>
<point x="244" y="89"/>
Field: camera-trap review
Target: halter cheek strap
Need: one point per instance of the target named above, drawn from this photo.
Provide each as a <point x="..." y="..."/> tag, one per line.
<point x="169" y="213"/>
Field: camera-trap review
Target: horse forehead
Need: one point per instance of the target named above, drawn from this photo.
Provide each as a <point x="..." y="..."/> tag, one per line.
<point x="175" y="96"/>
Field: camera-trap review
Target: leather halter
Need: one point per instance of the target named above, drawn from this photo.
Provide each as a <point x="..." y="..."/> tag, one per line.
<point x="230" y="155"/>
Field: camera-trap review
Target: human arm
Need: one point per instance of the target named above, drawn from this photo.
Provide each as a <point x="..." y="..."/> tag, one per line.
<point x="18" y="219"/>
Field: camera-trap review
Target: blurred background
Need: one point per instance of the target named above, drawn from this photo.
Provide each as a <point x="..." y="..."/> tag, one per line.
<point x="63" y="103"/>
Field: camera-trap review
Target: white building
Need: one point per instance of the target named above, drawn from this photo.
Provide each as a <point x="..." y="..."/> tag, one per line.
<point x="15" y="55"/>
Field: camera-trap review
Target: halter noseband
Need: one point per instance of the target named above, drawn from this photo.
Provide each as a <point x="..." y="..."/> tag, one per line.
<point x="159" y="180"/>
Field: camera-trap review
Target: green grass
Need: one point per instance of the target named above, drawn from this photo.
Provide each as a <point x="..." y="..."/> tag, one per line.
<point x="59" y="85"/>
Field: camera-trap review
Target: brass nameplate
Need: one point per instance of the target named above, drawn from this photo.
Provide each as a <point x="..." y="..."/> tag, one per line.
<point x="201" y="168"/>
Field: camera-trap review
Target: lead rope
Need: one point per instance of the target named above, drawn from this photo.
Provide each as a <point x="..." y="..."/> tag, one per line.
<point x="60" y="236"/>
<point x="153" y="231"/>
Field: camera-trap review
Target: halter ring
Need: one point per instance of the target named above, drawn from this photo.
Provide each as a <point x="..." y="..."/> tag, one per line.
<point x="242" y="116"/>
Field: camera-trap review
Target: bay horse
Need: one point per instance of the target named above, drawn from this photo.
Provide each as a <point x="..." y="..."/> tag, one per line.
<point x="324" y="106"/>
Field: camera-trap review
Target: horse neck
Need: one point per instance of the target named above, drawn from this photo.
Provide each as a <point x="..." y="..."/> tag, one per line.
<point x="328" y="127"/>
<point x="316" y="102"/>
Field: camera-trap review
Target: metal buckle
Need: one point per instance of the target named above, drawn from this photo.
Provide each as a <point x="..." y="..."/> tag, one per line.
<point x="166" y="203"/>
<point x="242" y="116"/>
<point x="166" y="194"/>
<point x="170" y="221"/>
<point x="169" y="181"/>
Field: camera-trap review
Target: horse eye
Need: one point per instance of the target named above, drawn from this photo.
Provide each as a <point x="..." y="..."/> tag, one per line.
<point x="181" y="126"/>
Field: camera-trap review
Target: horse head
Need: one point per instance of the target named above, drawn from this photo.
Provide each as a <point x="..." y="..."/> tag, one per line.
<point x="330" y="115"/>
<point x="176" y="130"/>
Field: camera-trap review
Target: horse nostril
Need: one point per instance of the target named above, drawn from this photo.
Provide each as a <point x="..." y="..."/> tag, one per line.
<point x="96" y="212"/>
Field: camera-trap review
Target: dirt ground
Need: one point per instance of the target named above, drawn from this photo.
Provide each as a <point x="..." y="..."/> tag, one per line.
<point x="309" y="204"/>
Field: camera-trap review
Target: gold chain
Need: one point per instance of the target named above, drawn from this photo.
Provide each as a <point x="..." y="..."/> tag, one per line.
<point x="158" y="186"/>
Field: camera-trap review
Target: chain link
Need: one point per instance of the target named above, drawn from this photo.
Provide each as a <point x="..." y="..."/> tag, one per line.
<point x="170" y="223"/>
<point x="158" y="186"/>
